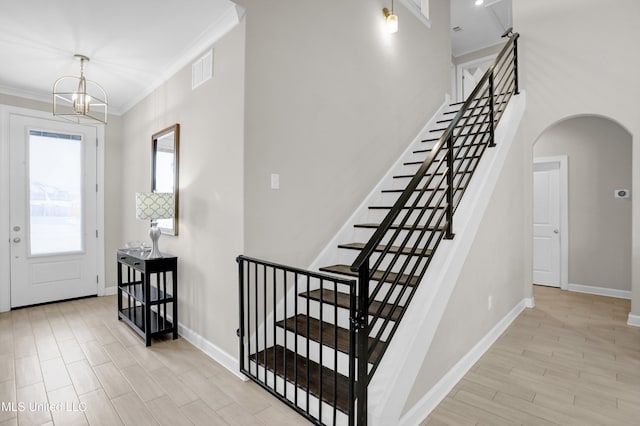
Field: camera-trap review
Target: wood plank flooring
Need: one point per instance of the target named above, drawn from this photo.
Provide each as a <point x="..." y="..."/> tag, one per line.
<point x="571" y="360"/>
<point x="74" y="363"/>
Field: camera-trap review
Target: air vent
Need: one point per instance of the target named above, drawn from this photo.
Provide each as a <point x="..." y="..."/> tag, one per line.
<point x="202" y="70"/>
<point x="456" y="29"/>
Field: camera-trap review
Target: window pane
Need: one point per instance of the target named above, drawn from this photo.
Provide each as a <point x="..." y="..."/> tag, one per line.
<point x="55" y="192"/>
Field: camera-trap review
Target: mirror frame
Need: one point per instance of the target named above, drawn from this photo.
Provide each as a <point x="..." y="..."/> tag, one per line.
<point x="175" y="129"/>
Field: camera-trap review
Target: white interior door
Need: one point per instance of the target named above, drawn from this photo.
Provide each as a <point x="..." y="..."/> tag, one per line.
<point x="469" y="74"/>
<point x="53" y="210"/>
<point x="546" y="224"/>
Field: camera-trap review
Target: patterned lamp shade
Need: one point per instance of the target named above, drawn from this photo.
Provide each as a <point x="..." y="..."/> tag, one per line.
<point x="155" y="205"/>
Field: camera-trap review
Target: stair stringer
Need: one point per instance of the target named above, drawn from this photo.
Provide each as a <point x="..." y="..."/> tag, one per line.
<point x="391" y="385"/>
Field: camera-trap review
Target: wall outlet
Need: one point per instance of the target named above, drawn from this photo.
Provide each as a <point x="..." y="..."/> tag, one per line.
<point x="275" y="181"/>
<point x="490" y="302"/>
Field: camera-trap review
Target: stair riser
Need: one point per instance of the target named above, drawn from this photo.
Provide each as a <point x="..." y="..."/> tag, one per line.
<point x="279" y="384"/>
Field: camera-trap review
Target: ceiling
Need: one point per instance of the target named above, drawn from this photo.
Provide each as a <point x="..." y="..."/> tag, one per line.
<point x="133" y="45"/>
<point x="480" y="26"/>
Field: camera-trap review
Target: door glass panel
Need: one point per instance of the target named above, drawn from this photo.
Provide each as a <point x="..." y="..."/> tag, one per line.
<point x="55" y="193"/>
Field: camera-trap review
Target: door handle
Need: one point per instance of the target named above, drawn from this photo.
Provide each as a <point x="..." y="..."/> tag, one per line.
<point x="555" y="231"/>
<point x="17" y="240"/>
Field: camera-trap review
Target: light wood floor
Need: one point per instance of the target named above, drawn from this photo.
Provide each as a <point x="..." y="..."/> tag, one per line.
<point x="570" y="361"/>
<point x="77" y="353"/>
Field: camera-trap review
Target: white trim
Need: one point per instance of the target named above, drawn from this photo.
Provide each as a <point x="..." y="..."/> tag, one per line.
<point x="529" y="302"/>
<point x="437" y="393"/>
<point x="634" y="320"/>
<point x="563" y="163"/>
<point x="5" y="265"/>
<point x="460" y="67"/>
<point x="109" y="291"/>
<point x="417" y="12"/>
<point x="600" y="291"/>
<point x="391" y="385"/>
<point x="214" y="352"/>
<point x="231" y="17"/>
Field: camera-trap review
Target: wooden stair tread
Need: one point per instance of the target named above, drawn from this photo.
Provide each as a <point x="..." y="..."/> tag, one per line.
<point x="466" y="157"/>
<point x="343" y="302"/>
<point x="273" y="359"/>
<point x="388" y="191"/>
<point x="430" y="174"/>
<point x="417" y="208"/>
<point x="329" y="332"/>
<point x="392" y="249"/>
<point x="421" y="151"/>
<point x="407" y="227"/>
<point x="376" y="276"/>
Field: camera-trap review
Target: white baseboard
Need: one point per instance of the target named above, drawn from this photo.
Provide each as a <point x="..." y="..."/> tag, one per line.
<point x="214" y="352"/>
<point x="431" y="400"/>
<point x="110" y="291"/>
<point x="634" y="320"/>
<point x="600" y="291"/>
<point x="529" y="302"/>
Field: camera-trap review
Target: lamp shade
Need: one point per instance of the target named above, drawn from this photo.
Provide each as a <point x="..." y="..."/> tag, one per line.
<point x="155" y="205"/>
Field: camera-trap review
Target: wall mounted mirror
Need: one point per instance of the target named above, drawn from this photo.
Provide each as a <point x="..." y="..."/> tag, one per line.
<point x="164" y="170"/>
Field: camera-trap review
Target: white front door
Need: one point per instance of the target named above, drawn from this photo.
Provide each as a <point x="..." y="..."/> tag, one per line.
<point x="53" y="210"/>
<point x="546" y="224"/>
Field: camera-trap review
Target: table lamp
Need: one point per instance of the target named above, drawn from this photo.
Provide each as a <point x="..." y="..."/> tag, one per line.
<point x="153" y="206"/>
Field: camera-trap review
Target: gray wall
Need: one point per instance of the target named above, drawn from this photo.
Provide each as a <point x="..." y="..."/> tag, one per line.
<point x="331" y="102"/>
<point x="599" y="153"/>
<point x="576" y="60"/>
<point x="211" y="184"/>
<point x="494" y="267"/>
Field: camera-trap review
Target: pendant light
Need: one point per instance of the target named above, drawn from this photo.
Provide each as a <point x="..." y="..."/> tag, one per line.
<point x="78" y="99"/>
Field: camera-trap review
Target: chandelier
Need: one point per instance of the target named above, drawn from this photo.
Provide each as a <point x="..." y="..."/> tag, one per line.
<point x="78" y="99"/>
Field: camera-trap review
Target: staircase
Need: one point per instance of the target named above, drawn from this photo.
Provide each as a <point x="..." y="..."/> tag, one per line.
<point x="315" y="339"/>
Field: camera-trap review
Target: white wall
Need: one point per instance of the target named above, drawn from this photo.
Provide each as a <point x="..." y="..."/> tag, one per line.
<point x="599" y="153"/>
<point x="331" y="102"/>
<point x="577" y="58"/>
<point x="211" y="187"/>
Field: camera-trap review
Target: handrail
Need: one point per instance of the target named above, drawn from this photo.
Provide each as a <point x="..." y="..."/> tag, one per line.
<point x="385" y="225"/>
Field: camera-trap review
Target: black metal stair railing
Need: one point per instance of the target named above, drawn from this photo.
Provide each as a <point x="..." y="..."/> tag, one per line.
<point x="423" y="215"/>
<point x="276" y="353"/>
<point x="319" y="357"/>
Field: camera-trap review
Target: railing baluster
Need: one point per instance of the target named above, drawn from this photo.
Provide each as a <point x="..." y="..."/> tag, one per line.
<point x="450" y="159"/>
<point x="362" y="350"/>
<point x="492" y="130"/>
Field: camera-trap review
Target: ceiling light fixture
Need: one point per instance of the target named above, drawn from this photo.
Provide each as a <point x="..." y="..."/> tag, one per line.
<point x="392" y="19"/>
<point x="78" y="99"/>
<point x="479" y="2"/>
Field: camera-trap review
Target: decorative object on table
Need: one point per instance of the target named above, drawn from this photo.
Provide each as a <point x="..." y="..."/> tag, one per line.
<point x="153" y="206"/>
<point x="79" y="100"/>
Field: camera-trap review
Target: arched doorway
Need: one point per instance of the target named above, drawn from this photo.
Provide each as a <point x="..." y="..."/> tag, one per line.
<point x="597" y="207"/>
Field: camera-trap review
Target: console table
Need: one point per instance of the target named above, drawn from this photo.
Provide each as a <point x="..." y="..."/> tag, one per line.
<point x="142" y="284"/>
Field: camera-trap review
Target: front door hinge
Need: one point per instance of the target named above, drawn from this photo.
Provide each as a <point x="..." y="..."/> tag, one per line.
<point x="97" y="279"/>
<point x="96" y="233"/>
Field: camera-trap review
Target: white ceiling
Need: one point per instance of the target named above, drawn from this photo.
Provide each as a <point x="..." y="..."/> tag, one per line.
<point x="134" y="45"/>
<point x="481" y="26"/>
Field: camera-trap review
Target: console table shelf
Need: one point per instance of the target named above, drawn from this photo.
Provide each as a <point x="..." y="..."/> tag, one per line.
<point x="146" y="288"/>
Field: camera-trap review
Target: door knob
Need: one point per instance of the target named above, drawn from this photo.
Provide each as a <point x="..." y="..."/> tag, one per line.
<point x="16" y="240"/>
<point x="555" y="231"/>
<point x="16" y="228"/>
